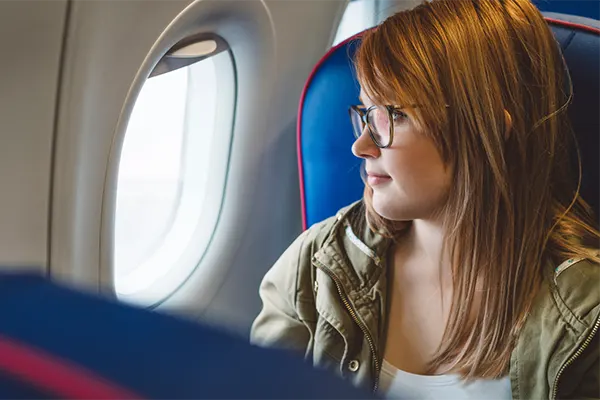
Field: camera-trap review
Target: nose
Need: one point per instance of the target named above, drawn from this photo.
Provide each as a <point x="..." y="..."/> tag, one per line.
<point x="364" y="147"/>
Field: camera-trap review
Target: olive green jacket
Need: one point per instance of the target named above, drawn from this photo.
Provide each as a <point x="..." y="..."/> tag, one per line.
<point x="326" y="297"/>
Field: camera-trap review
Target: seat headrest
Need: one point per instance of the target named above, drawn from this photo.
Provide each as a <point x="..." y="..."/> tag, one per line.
<point x="329" y="172"/>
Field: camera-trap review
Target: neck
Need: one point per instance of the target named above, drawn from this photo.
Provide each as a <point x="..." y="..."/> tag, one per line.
<point x="422" y="249"/>
<point x="427" y="238"/>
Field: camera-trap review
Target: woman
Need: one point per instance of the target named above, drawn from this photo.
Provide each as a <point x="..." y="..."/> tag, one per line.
<point x="470" y="267"/>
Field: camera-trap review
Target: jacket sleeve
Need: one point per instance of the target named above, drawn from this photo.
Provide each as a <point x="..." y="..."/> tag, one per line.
<point x="279" y="323"/>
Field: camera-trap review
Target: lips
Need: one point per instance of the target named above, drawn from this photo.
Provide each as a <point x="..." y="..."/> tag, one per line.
<point x="377" y="179"/>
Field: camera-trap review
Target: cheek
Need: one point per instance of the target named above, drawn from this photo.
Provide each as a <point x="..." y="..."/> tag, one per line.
<point x="420" y="184"/>
<point x="419" y="169"/>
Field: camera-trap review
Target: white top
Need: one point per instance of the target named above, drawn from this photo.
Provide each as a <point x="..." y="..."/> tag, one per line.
<point x="397" y="384"/>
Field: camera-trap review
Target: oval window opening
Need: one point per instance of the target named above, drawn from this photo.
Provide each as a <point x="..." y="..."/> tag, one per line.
<point x="167" y="202"/>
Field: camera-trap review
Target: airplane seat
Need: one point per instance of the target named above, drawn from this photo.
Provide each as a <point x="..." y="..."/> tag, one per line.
<point x="329" y="173"/>
<point x="57" y="342"/>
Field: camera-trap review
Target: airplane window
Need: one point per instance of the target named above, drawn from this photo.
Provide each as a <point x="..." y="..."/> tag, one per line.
<point x="172" y="173"/>
<point x="359" y="15"/>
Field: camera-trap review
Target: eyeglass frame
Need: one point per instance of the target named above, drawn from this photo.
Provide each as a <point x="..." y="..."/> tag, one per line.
<point x="363" y="114"/>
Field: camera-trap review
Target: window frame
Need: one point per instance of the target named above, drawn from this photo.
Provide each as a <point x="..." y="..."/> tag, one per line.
<point x="179" y="272"/>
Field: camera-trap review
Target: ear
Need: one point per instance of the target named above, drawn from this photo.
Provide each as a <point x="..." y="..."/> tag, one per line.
<point x="508" y="124"/>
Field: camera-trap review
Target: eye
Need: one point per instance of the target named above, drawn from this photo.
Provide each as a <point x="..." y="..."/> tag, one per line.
<point x="399" y="116"/>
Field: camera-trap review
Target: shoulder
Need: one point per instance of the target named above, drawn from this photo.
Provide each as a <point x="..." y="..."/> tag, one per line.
<point x="562" y="323"/>
<point x="321" y="232"/>
<point x="576" y="284"/>
<point x="292" y="272"/>
<point x="352" y="211"/>
<point x="561" y="326"/>
<point x="568" y="302"/>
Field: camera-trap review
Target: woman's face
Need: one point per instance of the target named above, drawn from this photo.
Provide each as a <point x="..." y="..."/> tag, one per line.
<point x="408" y="178"/>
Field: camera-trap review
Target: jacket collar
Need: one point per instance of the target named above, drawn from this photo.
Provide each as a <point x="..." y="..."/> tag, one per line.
<point x="355" y="258"/>
<point x="352" y="252"/>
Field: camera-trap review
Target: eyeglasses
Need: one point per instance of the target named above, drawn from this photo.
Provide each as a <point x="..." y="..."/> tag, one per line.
<point x="379" y="120"/>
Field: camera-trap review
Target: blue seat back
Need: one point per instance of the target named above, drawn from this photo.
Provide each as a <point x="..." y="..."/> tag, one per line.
<point x="330" y="174"/>
<point x="582" y="8"/>
<point x="59" y="343"/>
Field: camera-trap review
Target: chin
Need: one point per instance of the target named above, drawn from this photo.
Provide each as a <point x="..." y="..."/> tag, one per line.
<point x="391" y="210"/>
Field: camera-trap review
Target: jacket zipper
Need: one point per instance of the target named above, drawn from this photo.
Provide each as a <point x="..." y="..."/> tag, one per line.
<point x="570" y="361"/>
<point x="352" y="313"/>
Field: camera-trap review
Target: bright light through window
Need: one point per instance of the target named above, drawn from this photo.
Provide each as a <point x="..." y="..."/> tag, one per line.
<point x="149" y="184"/>
<point x="163" y="197"/>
